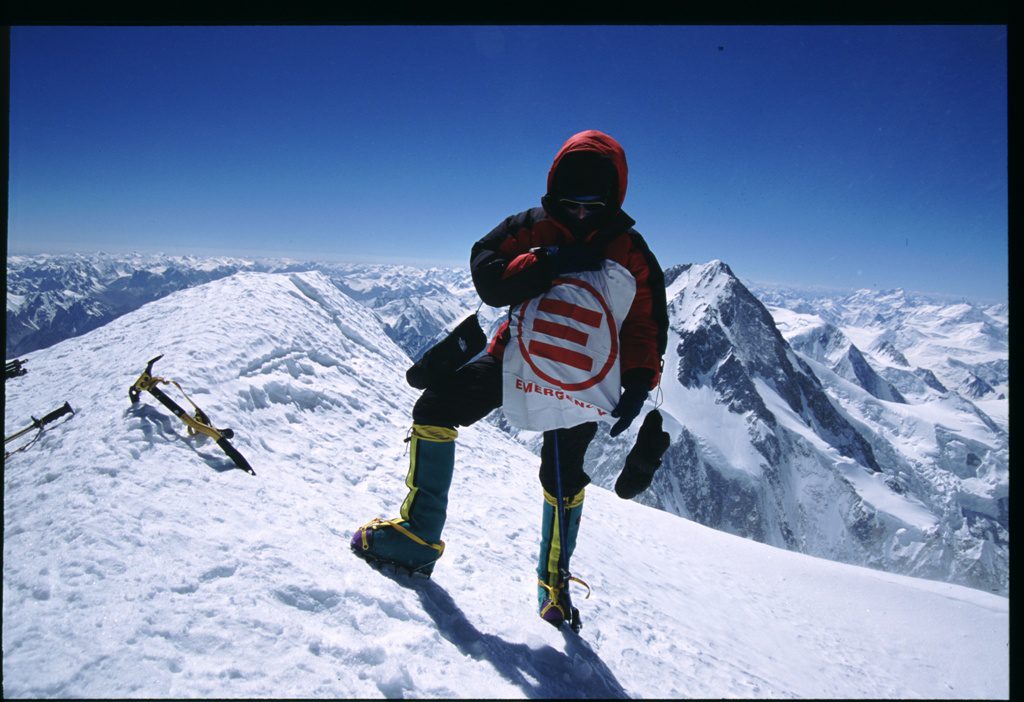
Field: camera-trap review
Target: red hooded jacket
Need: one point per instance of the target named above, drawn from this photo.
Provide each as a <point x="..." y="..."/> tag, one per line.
<point x="509" y="267"/>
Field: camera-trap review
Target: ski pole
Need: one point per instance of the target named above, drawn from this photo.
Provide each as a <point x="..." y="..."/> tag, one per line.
<point x="563" y="568"/>
<point x="40" y="423"/>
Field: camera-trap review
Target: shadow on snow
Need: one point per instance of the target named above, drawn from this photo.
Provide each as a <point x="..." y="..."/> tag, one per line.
<point x="160" y="426"/>
<point x="543" y="672"/>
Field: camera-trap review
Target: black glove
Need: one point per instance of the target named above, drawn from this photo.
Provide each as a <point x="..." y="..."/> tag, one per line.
<point x="574" y="258"/>
<point x="636" y="383"/>
<point x="445" y="357"/>
<point x="644" y="458"/>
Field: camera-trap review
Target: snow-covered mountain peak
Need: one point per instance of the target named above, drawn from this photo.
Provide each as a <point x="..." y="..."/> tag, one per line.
<point x="695" y="289"/>
<point x="138" y="562"/>
<point x="771" y="407"/>
<point x="926" y="391"/>
<point x="728" y="338"/>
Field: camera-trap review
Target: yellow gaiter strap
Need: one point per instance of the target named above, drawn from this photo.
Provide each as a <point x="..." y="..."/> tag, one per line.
<point x="574" y="501"/>
<point x="377" y="523"/>
<point x="432" y="433"/>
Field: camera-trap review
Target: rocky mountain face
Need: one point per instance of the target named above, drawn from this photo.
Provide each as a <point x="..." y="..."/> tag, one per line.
<point x="869" y="428"/>
<point x="784" y="431"/>
<point x="826" y="344"/>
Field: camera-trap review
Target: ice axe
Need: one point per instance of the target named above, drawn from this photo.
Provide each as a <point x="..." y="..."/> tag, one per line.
<point x="198" y="424"/>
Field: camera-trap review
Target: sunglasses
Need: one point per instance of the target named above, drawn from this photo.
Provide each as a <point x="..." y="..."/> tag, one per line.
<point x="575" y="205"/>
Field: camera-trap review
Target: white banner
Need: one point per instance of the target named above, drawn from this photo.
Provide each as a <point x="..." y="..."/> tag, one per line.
<point x="561" y="364"/>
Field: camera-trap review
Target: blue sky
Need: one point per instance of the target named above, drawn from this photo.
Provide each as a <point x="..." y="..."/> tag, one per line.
<point x="847" y="156"/>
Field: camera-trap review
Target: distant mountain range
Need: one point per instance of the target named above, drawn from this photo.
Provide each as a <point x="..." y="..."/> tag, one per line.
<point x="867" y="427"/>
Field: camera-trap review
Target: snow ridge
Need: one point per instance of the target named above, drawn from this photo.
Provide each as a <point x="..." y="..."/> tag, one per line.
<point x="138" y="562"/>
<point x="741" y="461"/>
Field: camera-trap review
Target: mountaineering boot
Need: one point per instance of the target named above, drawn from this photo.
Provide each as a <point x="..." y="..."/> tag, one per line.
<point x="550" y="584"/>
<point x="644" y="458"/>
<point x="413" y="540"/>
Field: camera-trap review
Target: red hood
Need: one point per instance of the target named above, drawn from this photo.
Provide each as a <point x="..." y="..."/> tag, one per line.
<point x="593" y="140"/>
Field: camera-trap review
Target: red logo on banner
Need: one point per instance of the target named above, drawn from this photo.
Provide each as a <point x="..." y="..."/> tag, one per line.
<point x="575" y="354"/>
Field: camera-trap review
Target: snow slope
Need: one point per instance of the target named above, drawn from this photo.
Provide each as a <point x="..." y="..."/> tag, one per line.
<point x="138" y="562"/>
